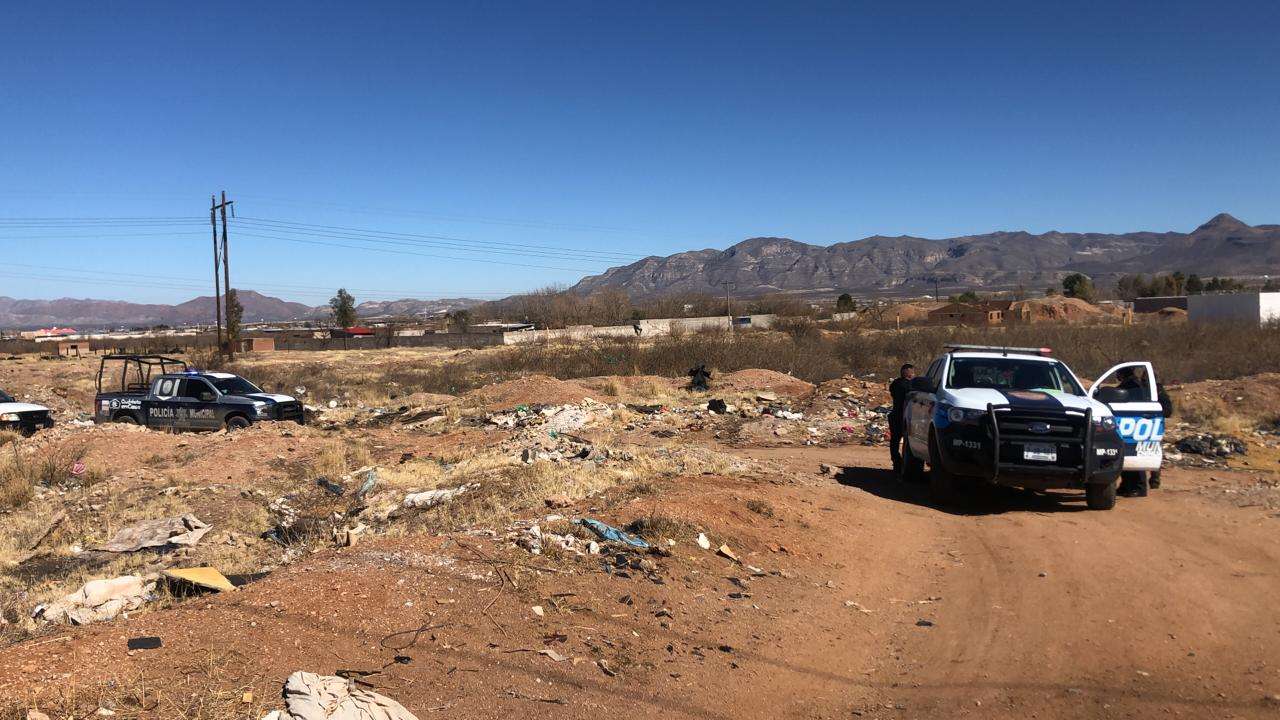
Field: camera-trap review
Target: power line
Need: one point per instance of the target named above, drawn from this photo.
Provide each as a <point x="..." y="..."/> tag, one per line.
<point x="409" y="252"/>
<point x="434" y="239"/>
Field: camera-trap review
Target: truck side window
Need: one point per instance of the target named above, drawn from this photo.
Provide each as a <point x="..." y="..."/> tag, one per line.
<point x="192" y="387"/>
<point x="165" y="387"/>
<point x="935" y="372"/>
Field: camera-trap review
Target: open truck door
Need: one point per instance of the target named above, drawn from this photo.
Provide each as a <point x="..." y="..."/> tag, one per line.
<point x="1130" y="390"/>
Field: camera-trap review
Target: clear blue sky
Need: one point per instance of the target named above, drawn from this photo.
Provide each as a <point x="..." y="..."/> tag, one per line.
<point x="636" y="129"/>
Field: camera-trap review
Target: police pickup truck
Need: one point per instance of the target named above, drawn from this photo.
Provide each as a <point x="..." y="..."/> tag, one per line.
<point x="24" y="418"/>
<point x="1010" y="416"/>
<point x="161" y="392"/>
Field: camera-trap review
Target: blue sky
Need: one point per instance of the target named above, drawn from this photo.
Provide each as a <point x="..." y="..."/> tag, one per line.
<point x="605" y="131"/>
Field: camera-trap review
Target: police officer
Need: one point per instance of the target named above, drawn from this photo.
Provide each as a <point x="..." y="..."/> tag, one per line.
<point x="898" y="390"/>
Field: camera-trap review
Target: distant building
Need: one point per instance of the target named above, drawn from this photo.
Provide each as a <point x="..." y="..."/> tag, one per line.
<point x="351" y="332"/>
<point x="499" y="327"/>
<point x="1253" y="308"/>
<point x="1156" y="304"/>
<point x="977" y="314"/>
<point x="52" y="333"/>
<point x="256" y="344"/>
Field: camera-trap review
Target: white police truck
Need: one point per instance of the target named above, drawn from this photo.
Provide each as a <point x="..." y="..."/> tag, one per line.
<point x="1010" y="416"/>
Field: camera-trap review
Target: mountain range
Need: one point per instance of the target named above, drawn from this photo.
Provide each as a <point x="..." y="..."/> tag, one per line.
<point x="88" y="313"/>
<point x="906" y="264"/>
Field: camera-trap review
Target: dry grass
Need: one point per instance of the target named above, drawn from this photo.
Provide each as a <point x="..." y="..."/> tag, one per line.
<point x="211" y="687"/>
<point x="339" y="457"/>
<point x="21" y="472"/>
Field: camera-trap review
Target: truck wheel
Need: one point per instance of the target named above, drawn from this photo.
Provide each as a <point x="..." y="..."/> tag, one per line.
<point x="1100" y="496"/>
<point x="942" y="484"/>
<point x="237" y="422"/>
<point x="126" y="419"/>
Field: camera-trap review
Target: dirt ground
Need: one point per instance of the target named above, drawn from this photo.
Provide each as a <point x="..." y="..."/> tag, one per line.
<point x="851" y="595"/>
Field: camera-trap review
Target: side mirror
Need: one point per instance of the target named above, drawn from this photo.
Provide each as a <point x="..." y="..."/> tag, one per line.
<point x="920" y="383"/>
<point x="206" y="396"/>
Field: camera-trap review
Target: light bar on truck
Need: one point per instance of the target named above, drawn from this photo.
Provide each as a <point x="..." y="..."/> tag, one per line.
<point x="1043" y="351"/>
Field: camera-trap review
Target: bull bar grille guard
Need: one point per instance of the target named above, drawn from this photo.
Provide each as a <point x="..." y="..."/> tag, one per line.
<point x="1086" y="462"/>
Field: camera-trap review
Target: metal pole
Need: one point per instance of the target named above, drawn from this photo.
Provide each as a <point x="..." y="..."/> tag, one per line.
<point x="226" y="273"/>
<point x="217" y="287"/>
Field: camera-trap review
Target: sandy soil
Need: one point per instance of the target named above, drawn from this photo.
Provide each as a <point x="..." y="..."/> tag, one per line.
<point x="852" y="595"/>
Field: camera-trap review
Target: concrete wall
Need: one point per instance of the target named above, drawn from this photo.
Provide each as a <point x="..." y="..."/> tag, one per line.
<point x="1237" y="307"/>
<point x="648" y="328"/>
<point x="1156" y="304"/>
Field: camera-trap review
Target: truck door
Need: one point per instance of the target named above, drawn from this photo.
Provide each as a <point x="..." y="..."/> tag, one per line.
<point x="920" y="406"/>
<point x="197" y="408"/>
<point x="1129" y="389"/>
<point x="160" y="408"/>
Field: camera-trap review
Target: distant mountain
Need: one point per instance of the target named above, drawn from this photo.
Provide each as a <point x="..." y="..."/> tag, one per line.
<point x="879" y="264"/>
<point x="94" y="314"/>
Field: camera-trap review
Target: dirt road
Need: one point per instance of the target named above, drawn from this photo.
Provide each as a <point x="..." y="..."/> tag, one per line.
<point x="869" y="603"/>
<point x="1045" y="609"/>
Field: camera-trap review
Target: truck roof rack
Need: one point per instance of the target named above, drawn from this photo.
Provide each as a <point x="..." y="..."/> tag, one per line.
<point x="1003" y="350"/>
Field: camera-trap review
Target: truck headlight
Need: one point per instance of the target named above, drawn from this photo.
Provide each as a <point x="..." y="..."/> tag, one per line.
<point x="262" y="409"/>
<point x="963" y="415"/>
<point x="10" y="417"/>
<point x="956" y="414"/>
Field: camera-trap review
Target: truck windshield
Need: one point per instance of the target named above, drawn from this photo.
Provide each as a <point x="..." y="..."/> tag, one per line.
<point x="235" y="386"/>
<point x="1011" y="374"/>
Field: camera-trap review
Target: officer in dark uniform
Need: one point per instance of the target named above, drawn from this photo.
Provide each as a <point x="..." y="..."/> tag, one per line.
<point x="898" y="390"/>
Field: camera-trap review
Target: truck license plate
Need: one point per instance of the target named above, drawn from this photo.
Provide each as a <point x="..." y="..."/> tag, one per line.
<point x="1040" y="452"/>
<point x="1148" y="449"/>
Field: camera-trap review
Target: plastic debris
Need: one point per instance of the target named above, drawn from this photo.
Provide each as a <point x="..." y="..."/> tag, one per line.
<point x="184" y="530"/>
<point x="99" y="601"/>
<point x="203" y="577"/>
<point x="608" y="533"/>
<point x="431" y="498"/>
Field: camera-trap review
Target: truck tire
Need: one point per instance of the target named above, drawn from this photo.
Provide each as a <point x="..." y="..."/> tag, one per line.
<point x="1100" y="496"/>
<point x="912" y="466"/>
<point x="237" y="422"/>
<point x="125" y="418"/>
<point x="942" y="484"/>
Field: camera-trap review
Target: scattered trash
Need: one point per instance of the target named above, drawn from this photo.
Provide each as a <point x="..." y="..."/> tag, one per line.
<point x="604" y="667"/>
<point x="725" y="552"/>
<point x="202" y="577"/>
<point x="431" y="498"/>
<point x="557" y="501"/>
<point x="824" y="469"/>
<point x="699" y="378"/>
<point x="184" y="530"/>
<point x="608" y="533"/>
<point x="537" y="610"/>
<point x="857" y="606"/>
<point x="330" y="486"/>
<point x="552" y="654"/>
<point x="1212" y="445"/>
<point x="144" y="643"/>
<point x="308" y="696"/>
<point x="99" y="601"/>
<point x="703" y="542"/>
<point x="924" y="623"/>
<point x="717" y="406"/>
<point x="767" y="397"/>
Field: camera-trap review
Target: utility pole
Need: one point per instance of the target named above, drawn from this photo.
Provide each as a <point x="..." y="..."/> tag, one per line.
<point x="217" y="286"/>
<point x="936" y="296"/>
<point x="226" y="271"/>
<point x="728" y="308"/>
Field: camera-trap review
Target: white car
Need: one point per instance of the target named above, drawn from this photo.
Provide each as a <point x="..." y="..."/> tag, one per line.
<point x="25" y="418"/>
<point x="1010" y="416"/>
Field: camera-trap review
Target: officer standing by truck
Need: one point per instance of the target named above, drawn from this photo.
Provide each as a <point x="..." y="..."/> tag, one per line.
<point x="898" y="390"/>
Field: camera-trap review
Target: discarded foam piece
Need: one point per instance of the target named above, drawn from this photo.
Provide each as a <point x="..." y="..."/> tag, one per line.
<point x="100" y="601"/>
<point x="703" y="542"/>
<point x="183" y="530"/>
<point x="431" y="498"/>
<point x="205" y="577"/>
<point x="308" y="696"/>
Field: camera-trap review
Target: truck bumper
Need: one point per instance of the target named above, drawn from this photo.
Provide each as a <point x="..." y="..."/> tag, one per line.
<point x="28" y="427"/>
<point x="974" y="450"/>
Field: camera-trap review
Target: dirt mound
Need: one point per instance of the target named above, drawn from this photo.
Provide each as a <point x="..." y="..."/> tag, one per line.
<point x="530" y="390"/>
<point x="1065" y="309"/>
<point x="755" y="380"/>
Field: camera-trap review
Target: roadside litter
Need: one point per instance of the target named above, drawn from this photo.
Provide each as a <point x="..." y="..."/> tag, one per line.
<point x="184" y="530"/>
<point x="699" y="378"/>
<point x="185" y="581"/>
<point x="608" y="533"/>
<point x="99" y="601"/>
<point x="149" y="642"/>
<point x="1212" y="445"/>
<point x="431" y="498"/>
<point x="308" y="696"/>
